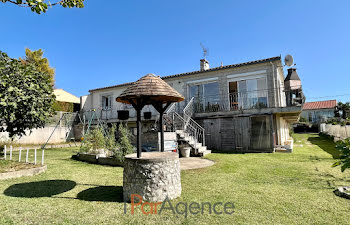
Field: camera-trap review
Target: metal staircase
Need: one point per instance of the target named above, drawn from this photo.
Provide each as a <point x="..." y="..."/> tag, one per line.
<point x="187" y="130"/>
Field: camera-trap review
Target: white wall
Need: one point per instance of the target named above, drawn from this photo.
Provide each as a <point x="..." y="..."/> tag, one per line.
<point x="282" y="130"/>
<point x="181" y="85"/>
<point x="40" y="136"/>
<point x="338" y="131"/>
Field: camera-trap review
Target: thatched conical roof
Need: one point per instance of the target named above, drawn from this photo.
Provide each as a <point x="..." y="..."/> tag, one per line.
<point x="150" y="88"/>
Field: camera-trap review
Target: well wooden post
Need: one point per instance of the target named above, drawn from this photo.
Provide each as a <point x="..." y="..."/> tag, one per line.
<point x="161" y="126"/>
<point x="5" y="152"/>
<point x="138" y="111"/>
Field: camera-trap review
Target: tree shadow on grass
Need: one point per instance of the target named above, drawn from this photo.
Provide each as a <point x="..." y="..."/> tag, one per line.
<point x="102" y="194"/>
<point x="49" y="188"/>
<point x="326" y="145"/>
<point x="38" y="189"/>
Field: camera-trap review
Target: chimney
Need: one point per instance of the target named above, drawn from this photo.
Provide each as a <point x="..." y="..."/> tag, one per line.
<point x="292" y="81"/>
<point x="204" y="64"/>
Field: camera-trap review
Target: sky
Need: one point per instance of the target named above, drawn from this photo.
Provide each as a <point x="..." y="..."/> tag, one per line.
<point x="111" y="42"/>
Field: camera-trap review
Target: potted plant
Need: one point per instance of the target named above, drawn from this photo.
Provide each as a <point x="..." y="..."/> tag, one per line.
<point x="185" y="151"/>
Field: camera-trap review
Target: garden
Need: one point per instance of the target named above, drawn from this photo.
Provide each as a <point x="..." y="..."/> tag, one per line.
<point x="265" y="189"/>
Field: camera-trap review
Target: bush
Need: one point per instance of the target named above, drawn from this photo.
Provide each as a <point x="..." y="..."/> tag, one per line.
<point x="100" y="138"/>
<point x="124" y="145"/>
<point x="302" y="119"/>
<point x="93" y="141"/>
<point x="63" y="106"/>
<point x="344" y="148"/>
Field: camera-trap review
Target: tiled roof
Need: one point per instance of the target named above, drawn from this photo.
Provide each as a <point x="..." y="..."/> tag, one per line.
<point x="199" y="71"/>
<point x="329" y="104"/>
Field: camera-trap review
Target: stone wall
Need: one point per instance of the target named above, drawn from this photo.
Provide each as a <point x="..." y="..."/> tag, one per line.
<point x="154" y="176"/>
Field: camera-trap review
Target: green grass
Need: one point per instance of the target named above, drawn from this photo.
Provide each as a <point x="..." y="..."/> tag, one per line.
<point x="265" y="188"/>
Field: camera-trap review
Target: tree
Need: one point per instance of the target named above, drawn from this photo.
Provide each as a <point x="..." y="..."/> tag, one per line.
<point x="26" y="96"/>
<point x="42" y="64"/>
<point x="40" y="6"/>
<point x="343" y="110"/>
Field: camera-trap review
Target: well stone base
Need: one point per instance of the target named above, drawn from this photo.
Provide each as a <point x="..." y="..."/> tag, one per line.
<point x="154" y="176"/>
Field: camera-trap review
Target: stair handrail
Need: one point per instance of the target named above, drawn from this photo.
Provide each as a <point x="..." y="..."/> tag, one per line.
<point x="199" y="131"/>
<point x="171" y="108"/>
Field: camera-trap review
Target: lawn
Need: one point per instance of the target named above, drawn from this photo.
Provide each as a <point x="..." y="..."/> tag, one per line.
<point x="275" y="188"/>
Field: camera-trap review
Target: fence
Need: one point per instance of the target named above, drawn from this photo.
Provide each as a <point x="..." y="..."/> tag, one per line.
<point x="11" y="155"/>
<point x="337" y="131"/>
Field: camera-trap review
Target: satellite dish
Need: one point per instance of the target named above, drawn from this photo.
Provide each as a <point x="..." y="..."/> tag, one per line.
<point x="288" y="60"/>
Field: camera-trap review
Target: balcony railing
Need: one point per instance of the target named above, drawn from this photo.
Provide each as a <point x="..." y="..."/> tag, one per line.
<point x="213" y="103"/>
<point x="248" y="100"/>
<point x="232" y="102"/>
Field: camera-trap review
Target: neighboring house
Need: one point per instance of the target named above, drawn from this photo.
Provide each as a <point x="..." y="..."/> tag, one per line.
<point x="54" y="131"/>
<point x="317" y="112"/>
<point x="244" y="107"/>
<point x="66" y="101"/>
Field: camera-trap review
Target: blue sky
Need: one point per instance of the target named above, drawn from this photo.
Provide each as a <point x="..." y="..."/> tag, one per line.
<point x="110" y="42"/>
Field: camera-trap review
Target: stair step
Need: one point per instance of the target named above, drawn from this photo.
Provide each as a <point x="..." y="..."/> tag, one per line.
<point x="201" y="149"/>
<point x="206" y="152"/>
<point x="283" y="150"/>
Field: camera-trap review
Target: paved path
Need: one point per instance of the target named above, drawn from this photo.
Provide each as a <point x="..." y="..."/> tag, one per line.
<point x="194" y="163"/>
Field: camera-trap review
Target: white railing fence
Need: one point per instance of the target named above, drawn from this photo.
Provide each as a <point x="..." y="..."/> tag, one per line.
<point x="11" y="151"/>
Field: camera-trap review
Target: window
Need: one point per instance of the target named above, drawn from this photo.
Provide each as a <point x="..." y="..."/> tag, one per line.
<point x="206" y="96"/>
<point x="252" y="93"/>
<point x="106" y="102"/>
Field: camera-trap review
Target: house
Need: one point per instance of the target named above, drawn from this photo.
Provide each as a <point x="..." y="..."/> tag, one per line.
<point x="245" y="107"/>
<point x="66" y="101"/>
<point x="317" y="112"/>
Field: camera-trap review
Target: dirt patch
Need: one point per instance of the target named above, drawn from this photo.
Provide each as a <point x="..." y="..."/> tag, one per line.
<point x="11" y="166"/>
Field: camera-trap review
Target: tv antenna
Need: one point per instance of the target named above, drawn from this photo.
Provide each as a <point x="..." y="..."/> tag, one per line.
<point x="205" y="51"/>
<point x="288" y="60"/>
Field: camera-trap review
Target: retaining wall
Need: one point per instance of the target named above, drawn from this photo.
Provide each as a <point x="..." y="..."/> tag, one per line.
<point x="40" y="135"/>
<point x="339" y="132"/>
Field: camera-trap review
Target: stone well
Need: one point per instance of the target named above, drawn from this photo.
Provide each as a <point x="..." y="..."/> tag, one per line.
<point x="154" y="176"/>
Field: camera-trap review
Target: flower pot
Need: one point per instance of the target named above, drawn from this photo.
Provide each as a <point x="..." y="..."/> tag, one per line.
<point x="185" y="152"/>
<point x="147" y="115"/>
<point x="123" y="114"/>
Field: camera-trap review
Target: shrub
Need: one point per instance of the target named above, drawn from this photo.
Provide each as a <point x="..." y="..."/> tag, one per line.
<point x="124" y="145"/>
<point x="63" y="106"/>
<point x="93" y="141"/>
<point x="100" y="138"/>
<point x="344" y="148"/>
<point x="302" y="119"/>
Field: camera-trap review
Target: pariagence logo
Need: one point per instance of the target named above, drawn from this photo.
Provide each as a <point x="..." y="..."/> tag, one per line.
<point x="181" y="208"/>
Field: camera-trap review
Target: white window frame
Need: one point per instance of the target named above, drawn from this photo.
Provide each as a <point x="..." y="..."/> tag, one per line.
<point x="255" y="75"/>
<point x="109" y="96"/>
